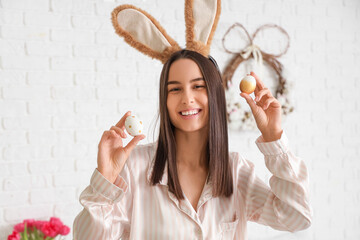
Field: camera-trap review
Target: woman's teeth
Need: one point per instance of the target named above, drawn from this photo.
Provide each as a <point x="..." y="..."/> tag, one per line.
<point x="189" y="113"/>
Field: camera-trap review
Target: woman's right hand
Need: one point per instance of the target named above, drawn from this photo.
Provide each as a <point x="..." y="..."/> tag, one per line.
<point x="112" y="155"/>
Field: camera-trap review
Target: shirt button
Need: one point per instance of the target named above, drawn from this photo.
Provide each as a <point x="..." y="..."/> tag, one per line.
<point x="199" y="233"/>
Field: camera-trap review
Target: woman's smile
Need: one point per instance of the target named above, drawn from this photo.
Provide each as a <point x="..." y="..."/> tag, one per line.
<point x="190" y="114"/>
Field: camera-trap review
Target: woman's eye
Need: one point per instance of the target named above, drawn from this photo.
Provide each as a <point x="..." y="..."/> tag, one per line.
<point x="178" y="89"/>
<point x="173" y="89"/>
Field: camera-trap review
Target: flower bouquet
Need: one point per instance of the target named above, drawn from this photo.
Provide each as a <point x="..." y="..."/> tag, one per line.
<point x="30" y="229"/>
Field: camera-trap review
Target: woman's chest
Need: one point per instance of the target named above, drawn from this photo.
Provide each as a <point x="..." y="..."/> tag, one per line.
<point x="157" y="214"/>
<point x="192" y="186"/>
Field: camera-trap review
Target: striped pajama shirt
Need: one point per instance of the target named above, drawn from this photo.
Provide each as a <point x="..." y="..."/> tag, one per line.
<point x="130" y="208"/>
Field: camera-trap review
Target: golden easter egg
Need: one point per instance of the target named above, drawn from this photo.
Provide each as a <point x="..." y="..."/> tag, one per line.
<point x="248" y="84"/>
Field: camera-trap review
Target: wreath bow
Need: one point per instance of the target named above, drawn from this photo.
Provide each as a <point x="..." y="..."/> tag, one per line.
<point x="255" y="51"/>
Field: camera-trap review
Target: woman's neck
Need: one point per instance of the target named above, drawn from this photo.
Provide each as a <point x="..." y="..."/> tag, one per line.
<point x="191" y="148"/>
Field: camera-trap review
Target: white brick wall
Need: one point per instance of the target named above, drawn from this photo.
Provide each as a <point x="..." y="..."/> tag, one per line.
<point x="65" y="77"/>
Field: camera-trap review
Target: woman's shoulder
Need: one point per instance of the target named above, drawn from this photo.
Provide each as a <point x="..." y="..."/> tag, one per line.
<point x="141" y="156"/>
<point x="235" y="157"/>
<point x="148" y="147"/>
<point x="237" y="161"/>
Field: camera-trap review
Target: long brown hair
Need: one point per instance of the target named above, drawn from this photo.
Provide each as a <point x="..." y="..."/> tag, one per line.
<point x="217" y="151"/>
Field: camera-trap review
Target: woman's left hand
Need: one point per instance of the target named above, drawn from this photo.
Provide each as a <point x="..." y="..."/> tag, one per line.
<point x="266" y="110"/>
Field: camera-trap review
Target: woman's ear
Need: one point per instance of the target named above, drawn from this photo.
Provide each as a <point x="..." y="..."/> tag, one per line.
<point x="143" y="32"/>
<point x="201" y="18"/>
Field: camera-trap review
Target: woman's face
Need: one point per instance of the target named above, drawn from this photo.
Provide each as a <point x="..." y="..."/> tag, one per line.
<point x="187" y="98"/>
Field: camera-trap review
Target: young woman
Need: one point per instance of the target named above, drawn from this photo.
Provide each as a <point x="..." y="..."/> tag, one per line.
<point x="187" y="185"/>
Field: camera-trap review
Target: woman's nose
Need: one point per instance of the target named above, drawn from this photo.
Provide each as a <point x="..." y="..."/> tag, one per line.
<point x="187" y="97"/>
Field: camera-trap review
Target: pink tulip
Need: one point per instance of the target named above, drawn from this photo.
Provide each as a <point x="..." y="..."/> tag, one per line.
<point x="56" y="222"/>
<point x="50" y="230"/>
<point x="14" y="236"/>
<point x="30" y="223"/>
<point x="64" y="230"/>
<point x="19" y="227"/>
<point x="39" y="224"/>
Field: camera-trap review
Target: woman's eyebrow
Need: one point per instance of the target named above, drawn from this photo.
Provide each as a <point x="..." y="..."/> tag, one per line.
<point x="193" y="80"/>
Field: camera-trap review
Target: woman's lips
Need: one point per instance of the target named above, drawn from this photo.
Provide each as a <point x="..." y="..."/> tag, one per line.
<point x="190" y="116"/>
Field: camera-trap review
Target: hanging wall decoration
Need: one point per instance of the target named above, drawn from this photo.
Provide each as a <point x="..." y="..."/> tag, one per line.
<point x="239" y="117"/>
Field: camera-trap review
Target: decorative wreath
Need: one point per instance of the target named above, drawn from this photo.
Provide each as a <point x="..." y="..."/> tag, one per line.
<point x="238" y="117"/>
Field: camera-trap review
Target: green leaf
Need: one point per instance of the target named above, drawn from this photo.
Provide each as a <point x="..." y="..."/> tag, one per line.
<point x="25" y="232"/>
<point x="36" y="234"/>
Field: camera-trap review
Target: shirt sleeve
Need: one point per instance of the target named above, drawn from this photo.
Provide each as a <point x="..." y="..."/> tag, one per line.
<point x="285" y="204"/>
<point x="107" y="208"/>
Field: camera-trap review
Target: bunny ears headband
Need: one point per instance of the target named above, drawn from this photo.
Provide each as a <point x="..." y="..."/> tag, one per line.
<point x="141" y="31"/>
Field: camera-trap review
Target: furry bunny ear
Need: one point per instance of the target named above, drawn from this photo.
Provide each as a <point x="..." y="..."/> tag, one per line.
<point x="141" y="31"/>
<point x="201" y="18"/>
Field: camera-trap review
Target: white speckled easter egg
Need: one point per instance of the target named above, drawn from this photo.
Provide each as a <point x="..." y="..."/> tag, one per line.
<point x="248" y="84"/>
<point x="133" y="125"/>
